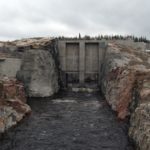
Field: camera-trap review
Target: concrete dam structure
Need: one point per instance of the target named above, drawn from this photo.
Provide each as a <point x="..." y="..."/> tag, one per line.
<point x="74" y="94"/>
<point x="81" y="61"/>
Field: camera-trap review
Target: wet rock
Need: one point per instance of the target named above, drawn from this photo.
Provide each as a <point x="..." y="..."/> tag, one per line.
<point x="12" y="103"/>
<point x="38" y="73"/>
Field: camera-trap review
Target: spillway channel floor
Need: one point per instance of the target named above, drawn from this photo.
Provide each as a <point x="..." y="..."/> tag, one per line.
<point x="70" y="121"/>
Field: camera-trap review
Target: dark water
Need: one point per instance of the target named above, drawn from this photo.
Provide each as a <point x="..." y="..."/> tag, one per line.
<point x="69" y="122"/>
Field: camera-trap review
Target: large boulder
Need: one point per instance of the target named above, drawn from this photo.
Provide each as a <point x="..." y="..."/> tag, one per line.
<point x="39" y="73"/>
<point x="13" y="107"/>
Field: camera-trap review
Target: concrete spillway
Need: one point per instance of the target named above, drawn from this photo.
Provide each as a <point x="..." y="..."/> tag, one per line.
<point x="81" y="61"/>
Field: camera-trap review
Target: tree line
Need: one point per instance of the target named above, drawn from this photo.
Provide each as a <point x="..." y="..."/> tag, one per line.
<point x="108" y="37"/>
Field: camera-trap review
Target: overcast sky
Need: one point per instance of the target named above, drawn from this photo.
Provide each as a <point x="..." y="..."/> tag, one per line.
<point x="32" y="18"/>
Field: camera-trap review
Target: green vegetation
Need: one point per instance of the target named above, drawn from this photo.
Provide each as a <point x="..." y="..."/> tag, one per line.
<point x="108" y="37"/>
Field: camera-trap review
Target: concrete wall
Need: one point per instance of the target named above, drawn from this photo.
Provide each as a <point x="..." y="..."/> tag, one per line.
<point x="80" y="60"/>
<point x="9" y="66"/>
<point x="72" y="57"/>
<point x="91" y="57"/>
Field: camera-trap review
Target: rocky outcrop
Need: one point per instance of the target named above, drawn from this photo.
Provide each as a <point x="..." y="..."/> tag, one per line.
<point x="38" y="73"/>
<point x="126" y="86"/>
<point x="13" y="107"/>
<point x="16" y="49"/>
<point x="23" y="44"/>
<point x="124" y="71"/>
<point x="140" y="127"/>
<point x="134" y="45"/>
<point x="33" y="43"/>
<point x="39" y="65"/>
<point x="38" y="59"/>
<point x="11" y="53"/>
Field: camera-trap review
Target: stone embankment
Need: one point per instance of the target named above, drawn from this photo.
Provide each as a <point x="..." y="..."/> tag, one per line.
<point x="126" y="86"/>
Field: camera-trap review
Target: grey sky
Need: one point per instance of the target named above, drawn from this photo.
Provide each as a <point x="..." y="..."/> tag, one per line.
<point x="30" y="18"/>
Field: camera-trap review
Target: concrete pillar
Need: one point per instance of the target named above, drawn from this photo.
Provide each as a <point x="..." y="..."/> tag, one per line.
<point x="62" y="58"/>
<point x="102" y="47"/>
<point x="62" y="54"/>
<point x="82" y="62"/>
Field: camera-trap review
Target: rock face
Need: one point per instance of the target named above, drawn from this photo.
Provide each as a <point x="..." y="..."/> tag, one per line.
<point x="140" y="126"/>
<point x="35" y="61"/>
<point x="12" y="103"/>
<point x="38" y="60"/>
<point x="140" y="119"/>
<point x="126" y="86"/>
<point x="38" y="73"/>
<point x="24" y="44"/>
<point x="11" y="53"/>
<point x="124" y="71"/>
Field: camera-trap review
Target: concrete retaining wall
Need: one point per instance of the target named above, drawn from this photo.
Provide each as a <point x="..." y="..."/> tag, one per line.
<point x="9" y="66"/>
